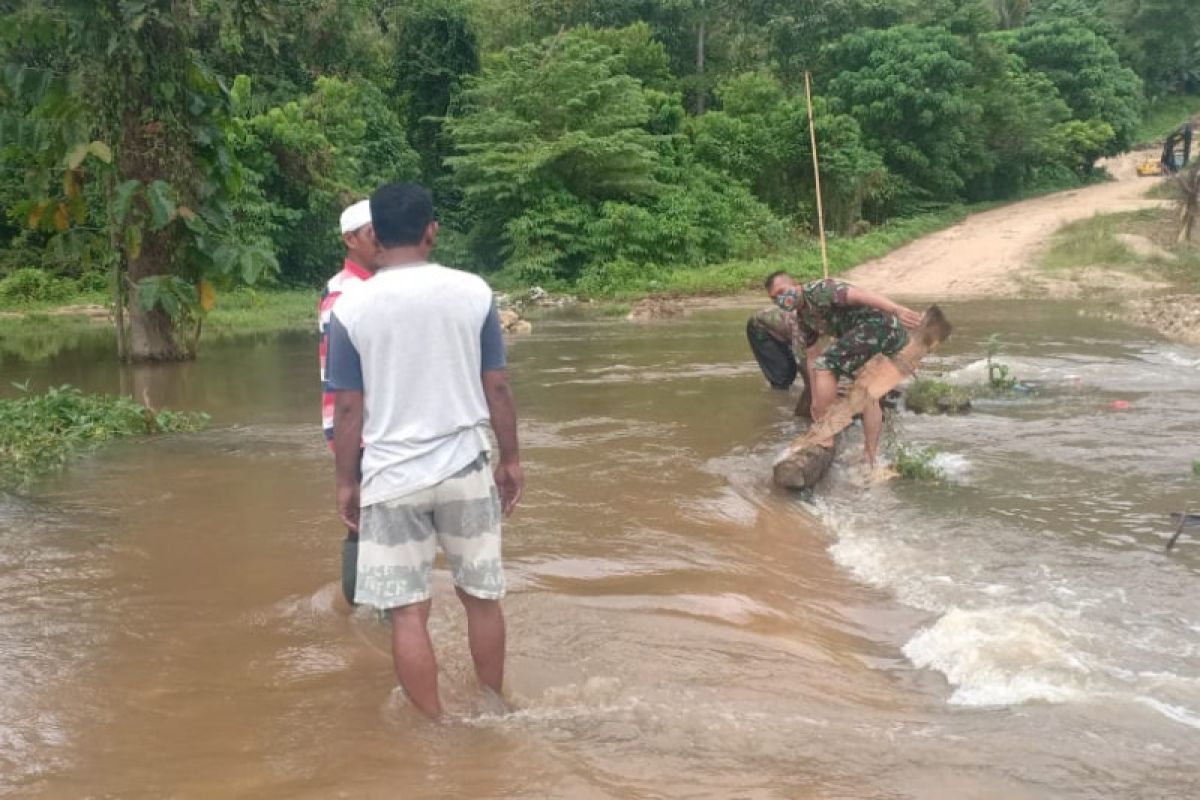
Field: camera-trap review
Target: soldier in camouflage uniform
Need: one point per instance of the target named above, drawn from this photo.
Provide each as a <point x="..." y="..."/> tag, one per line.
<point x="859" y="322"/>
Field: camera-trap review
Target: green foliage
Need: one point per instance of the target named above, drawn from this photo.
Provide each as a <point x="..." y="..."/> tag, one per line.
<point x="32" y="285"/>
<point x="1000" y="378"/>
<point x="760" y="137"/>
<point x="1196" y="469"/>
<point x="287" y="44"/>
<point x="1024" y="124"/>
<point x="306" y="160"/>
<point x="797" y="30"/>
<point x="1088" y="74"/>
<point x="645" y="57"/>
<point x="177" y="297"/>
<point x="1161" y="39"/>
<point x="1164" y="115"/>
<point x="436" y="49"/>
<point x="908" y="88"/>
<point x="40" y="432"/>
<point x="130" y="153"/>
<point x="917" y="463"/>
<point x="559" y="166"/>
<point x="217" y="140"/>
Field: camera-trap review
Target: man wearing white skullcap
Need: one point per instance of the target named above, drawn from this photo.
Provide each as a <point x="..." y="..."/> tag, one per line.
<point x="356" y="268"/>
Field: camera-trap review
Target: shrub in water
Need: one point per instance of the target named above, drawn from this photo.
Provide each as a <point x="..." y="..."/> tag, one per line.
<point x="39" y="432"/>
<point x="931" y="396"/>
<point x="916" y="463"/>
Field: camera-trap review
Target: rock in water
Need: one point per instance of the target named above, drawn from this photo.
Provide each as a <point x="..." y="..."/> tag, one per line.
<point x="656" y="308"/>
<point x="511" y="323"/>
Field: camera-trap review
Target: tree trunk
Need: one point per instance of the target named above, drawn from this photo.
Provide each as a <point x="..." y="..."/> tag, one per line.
<point x="152" y="334"/>
<point x="148" y="153"/>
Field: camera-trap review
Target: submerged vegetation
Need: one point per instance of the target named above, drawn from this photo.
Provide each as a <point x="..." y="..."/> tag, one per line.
<point x="1000" y="377"/>
<point x="917" y="463"/>
<point x="39" y="433"/>
<point x="933" y="396"/>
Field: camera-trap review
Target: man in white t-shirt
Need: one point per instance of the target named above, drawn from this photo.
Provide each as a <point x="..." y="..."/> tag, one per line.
<point x="417" y="362"/>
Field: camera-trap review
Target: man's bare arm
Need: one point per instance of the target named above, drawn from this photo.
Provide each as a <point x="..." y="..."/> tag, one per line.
<point x="347" y="445"/>
<point x="864" y="297"/>
<point x="509" y="478"/>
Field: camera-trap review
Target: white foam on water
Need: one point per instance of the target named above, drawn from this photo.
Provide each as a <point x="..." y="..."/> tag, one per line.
<point x="1179" y="714"/>
<point x="993" y="648"/>
<point x="888" y="562"/>
<point x="954" y="466"/>
<point x="1004" y="656"/>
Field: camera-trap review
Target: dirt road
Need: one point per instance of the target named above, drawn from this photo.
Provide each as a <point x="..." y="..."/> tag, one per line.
<point x="986" y="254"/>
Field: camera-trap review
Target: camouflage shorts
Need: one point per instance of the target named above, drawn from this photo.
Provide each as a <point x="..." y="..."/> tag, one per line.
<point x="880" y="333"/>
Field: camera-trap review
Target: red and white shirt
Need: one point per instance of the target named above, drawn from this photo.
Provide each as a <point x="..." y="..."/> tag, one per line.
<point x="350" y="275"/>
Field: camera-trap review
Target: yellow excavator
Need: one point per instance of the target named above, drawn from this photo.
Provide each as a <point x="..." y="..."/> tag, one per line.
<point x="1176" y="153"/>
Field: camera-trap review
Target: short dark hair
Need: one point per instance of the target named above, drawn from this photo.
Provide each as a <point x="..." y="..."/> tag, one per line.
<point x="400" y="213"/>
<point x="766" y="284"/>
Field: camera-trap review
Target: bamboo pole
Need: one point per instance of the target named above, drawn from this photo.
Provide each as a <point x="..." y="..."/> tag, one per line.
<point x="812" y="134"/>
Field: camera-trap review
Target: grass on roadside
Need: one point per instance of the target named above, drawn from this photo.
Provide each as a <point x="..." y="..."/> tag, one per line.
<point x="802" y="261"/>
<point x="1094" y="242"/>
<point x="40" y="432"/>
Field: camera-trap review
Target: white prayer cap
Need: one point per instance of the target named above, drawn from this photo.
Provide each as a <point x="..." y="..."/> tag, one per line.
<point x="355" y="216"/>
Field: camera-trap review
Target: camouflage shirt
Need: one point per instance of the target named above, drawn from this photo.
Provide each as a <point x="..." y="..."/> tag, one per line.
<point x="826" y="311"/>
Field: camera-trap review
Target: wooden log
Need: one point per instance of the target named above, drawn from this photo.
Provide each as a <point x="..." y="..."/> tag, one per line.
<point x="804" y="468"/>
<point x="804" y="462"/>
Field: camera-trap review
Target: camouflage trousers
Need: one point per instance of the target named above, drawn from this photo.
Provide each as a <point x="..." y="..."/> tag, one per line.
<point x="875" y="333"/>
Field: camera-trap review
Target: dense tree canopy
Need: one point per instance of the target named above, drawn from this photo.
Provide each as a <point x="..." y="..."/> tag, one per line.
<point x="176" y="149"/>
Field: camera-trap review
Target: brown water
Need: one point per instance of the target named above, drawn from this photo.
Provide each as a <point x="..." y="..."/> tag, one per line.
<point x="170" y="625"/>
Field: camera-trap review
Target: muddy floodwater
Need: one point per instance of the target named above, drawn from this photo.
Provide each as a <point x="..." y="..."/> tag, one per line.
<point x="171" y="626"/>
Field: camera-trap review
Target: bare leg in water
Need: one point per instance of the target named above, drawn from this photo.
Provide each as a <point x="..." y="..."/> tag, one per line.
<point x="872" y="428"/>
<point x="485" y="633"/>
<point x="412" y="652"/>
<point x="824" y="393"/>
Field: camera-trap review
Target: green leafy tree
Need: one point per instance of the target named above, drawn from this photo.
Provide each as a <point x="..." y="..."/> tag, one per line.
<point x="560" y="118"/>
<point x="908" y="87"/>
<point x="1021" y="125"/>
<point x="285" y="45"/>
<point x="798" y="30"/>
<point x="705" y="40"/>
<point x="1010" y="13"/>
<point x="1088" y="74"/>
<point x="123" y="132"/>
<point x="565" y="180"/>
<point x="760" y="137"/>
<point x="436" y="49"/>
<point x="1162" y="41"/>
<point x="310" y="158"/>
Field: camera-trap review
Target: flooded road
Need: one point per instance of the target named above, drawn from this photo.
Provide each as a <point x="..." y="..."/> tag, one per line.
<point x="170" y="623"/>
